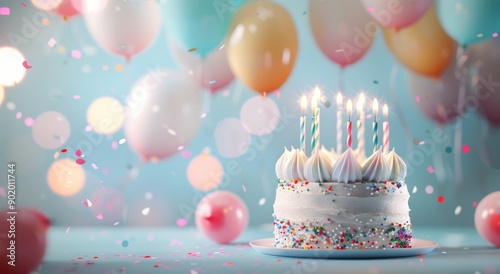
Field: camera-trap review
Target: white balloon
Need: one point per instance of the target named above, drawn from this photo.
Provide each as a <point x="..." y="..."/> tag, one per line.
<point x="124" y="28"/>
<point x="163" y="114"/>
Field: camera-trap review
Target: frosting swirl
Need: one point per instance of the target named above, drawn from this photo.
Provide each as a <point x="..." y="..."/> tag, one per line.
<point x="347" y="169"/>
<point x="375" y="168"/>
<point x="333" y="157"/>
<point x="318" y="166"/>
<point x="397" y="167"/>
<point x="280" y="164"/>
<point x="294" y="166"/>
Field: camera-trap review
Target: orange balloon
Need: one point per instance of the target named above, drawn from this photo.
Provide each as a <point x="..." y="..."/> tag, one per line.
<point x="66" y="177"/>
<point x="263" y="45"/>
<point x="423" y="47"/>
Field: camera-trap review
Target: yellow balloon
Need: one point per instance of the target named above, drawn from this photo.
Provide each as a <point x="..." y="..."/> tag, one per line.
<point x="66" y="177"/>
<point x="423" y="47"/>
<point x="105" y="115"/>
<point x="262" y="46"/>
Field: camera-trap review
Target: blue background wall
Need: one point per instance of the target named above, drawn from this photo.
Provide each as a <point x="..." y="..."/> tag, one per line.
<point x="56" y="77"/>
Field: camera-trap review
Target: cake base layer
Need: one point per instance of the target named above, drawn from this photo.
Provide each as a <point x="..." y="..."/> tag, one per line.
<point x="342" y="216"/>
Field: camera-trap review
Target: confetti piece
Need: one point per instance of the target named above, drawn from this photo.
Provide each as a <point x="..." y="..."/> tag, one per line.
<point x="76" y="54"/>
<point x="29" y="122"/>
<point x="211" y="82"/>
<point x="429" y="189"/>
<point x="125" y="243"/>
<point x="171" y="132"/>
<point x="52" y="42"/>
<point x="116" y="223"/>
<point x="375" y="81"/>
<point x="474" y="203"/>
<point x="440" y="199"/>
<point x="64" y="150"/>
<point x="76" y="97"/>
<point x="88" y="128"/>
<point x="67" y="230"/>
<point x="181" y="222"/>
<point x="203" y="115"/>
<point x="114" y="145"/>
<point x="244" y="188"/>
<point x="225" y="93"/>
<point x="339" y="50"/>
<point x="479" y="35"/>
<point x="56" y="155"/>
<point x="78" y="153"/>
<point x="416" y="141"/>
<point x="192" y="49"/>
<point x="118" y="67"/>
<point x="4" y="11"/>
<point x="24" y="5"/>
<point x="122" y="141"/>
<point x="19" y="115"/>
<point x="87" y="203"/>
<point x="421" y="142"/>
<point x="186" y="154"/>
<point x="228" y="264"/>
<point x="180" y="148"/>
<point x="448" y="149"/>
<point x="414" y="190"/>
<point x="99" y="217"/>
<point x="80" y="161"/>
<point x="465" y="149"/>
<point x="145" y="211"/>
<point x="148" y="196"/>
<point x="430" y="169"/>
<point x="262" y="201"/>
<point x="45" y="22"/>
<point x="495" y="34"/>
<point x="458" y="209"/>
<point x="26" y="66"/>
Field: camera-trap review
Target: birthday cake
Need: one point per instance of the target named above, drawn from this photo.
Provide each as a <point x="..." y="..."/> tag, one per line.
<point x="332" y="201"/>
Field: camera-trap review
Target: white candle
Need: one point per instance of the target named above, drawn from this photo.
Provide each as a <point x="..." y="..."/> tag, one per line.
<point x="361" y="125"/>
<point x="303" y="106"/>
<point x="339" y="123"/>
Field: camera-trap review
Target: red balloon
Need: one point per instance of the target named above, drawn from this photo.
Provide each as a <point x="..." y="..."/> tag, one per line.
<point x="23" y="240"/>
<point x="66" y="9"/>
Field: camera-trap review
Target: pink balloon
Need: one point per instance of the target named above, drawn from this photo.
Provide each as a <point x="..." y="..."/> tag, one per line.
<point x="212" y="73"/>
<point x="67" y="9"/>
<point x="222" y="216"/>
<point x="437" y="98"/>
<point x="163" y="114"/>
<point x="486" y="57"/>
<point x="25" y="238"/>
<point x="396" y="14"/>
<point x="342" y="29"/>
<point x="487" y="218"/>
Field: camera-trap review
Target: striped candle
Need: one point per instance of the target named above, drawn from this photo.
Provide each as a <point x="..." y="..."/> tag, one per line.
<point x="375" y="125"/>
<point x="314" y="125"/>
<point x="361" y="125"/>
<point x="385" y="128"/>
<point x="303" y="105"/>
<point x="349" y="123"/>
<point x="339" y="123"/>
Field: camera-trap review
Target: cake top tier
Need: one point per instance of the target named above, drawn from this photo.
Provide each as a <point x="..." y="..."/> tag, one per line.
<point x="327" y="166"/>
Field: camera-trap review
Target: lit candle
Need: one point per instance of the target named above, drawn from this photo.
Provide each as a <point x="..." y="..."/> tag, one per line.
<point x="361" y="125"/>
<point x="385" y="126"/>
<point x="314" y="125"/>
<point x="303" y="106"/>
<point x="349" y="123"/>
<point x="339" y="123"/>
<point x="375" y="125"/>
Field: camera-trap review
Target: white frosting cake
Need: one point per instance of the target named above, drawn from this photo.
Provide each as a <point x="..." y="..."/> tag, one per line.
<point x="324" y="203"/>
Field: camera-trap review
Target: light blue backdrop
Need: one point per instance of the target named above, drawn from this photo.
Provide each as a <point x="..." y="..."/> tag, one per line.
<point x="56" y="77"/>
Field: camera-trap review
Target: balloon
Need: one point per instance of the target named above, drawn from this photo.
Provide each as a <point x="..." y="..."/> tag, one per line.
<point x="423" y="47"/>
<point x="66" y="177"/>
<point x="11" y="70"/>
<point x="66" y="9"/>
<point x="486" y="57"/>
<point x="51" y="130"/>
<point x="125" y="28"/>
<point x="487" y="218"/>
<point x="396" y="14"/>
<point x="342" y="29"/>
<point x="105" y="115"/>
<point x="46" y="5"/>
<point x="199" y="24"/>
<point x="30" y="240"/>
<point x="212" y="72"/>
<point x="163" y="114"/>
<point x="437" y="98"/>
<point x="205" y="172"/>
<point x="259" y="115"/>
<point x="222" y="216"/>
<point x="469" y="21"/>
<point x="262" y="46"/>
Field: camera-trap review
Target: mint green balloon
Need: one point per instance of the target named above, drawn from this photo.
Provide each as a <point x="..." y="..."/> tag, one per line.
<point x="469" y="21"/>
<point x="200" y="24"/>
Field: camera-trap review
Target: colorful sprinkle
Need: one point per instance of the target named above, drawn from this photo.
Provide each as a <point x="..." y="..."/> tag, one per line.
<point x="465" y="149"/>
<point x="440" y="199"/>
<point x="4" y="11"/>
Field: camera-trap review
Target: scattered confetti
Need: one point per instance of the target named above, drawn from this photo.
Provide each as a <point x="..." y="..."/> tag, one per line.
<point x="19" y="115"/>
<point x="171" y="132"/>
<point x="125" y="243"/>
<point x="78" y="153"/>
<point x="414" y="190"/>
<point x="118" y="67"/>
<point x="458" y="209"/>
<point x="114" y="145"/>
<point x="180" y="148"/>
<point x="430" y="169"/>
<point x="440" y="199"/>
<point x="262" y="201"/>
<point x="76" y="54"/>
<point x="29" y="122"/>
<point x="116" y="223"/>
<point x="80" y="161"/>
<point x="26" y="66"/>
<point x="52" y="42"/>
<point x="94" y="166"/>
<point x="244" y="188"/>
<point x="87" y="203"/>
<point x="45" y="22"/>
<point x="429" y="189"/>
<point x="228" y="264"/>
<point x="479" y="35"/>
<point x="148" y="196"/>
<point x="145" y="211"/>
<point x="67" y="230"/>
<point x="416" y="141"/>
<point x="88" y="128"/>
<point x="64" y="150"/>
<point x="225" y="93"/>
<point x="339" y="50"/>
<point x="99" y="217"/>
<point x="192" y="49"/>
<point x="181" y="222"/>
<point x="56" y="155"/>
<point x="465" y="149"/>
<point x="4" y="11"/>
<point x="474" y="203"/>
<point x="122" y="141"/>
<point x="448" y="149"/>
<point x="24" y="5"/>
<point x="186" y="154"/>
<point x="76" y="97"/>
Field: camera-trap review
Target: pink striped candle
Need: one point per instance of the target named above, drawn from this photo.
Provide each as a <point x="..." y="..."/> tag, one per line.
<point x="349" y="123"/>
<point x="385" y="126"/>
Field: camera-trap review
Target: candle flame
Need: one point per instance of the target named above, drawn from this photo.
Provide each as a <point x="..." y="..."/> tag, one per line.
<point x="385" y="110"/>
<point x="314" y="103"/>
<point x="339" y="99"/>
<point x="375" y="107"/>
<point x="360" y="104"/>
<point x="362" y="98"/>
<point x="349" y="107"/>
<point x="317" y="93"/>
<point x="303" y="103"/>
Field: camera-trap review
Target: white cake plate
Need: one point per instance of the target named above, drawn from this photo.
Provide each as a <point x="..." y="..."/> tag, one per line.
<point x="419" y="247"/>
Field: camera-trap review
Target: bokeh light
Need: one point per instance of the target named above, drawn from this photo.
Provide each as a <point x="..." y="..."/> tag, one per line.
<point x="89" y="6"/>
<point x="105" y="115"/>
<point x="259" y="115"/>
<point x="51" y="130"/>
<point x="107" y="204"/>
<point x="46" y="5"/>
<point x="204" y="172"/>
<point x="12" y="70"/>
<point x="2" y="95"/>
<point x="65" y="177"/>
<point x="231" y="138"/>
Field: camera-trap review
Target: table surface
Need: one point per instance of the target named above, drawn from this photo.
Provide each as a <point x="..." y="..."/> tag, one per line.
<point x="115" y="250"/>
